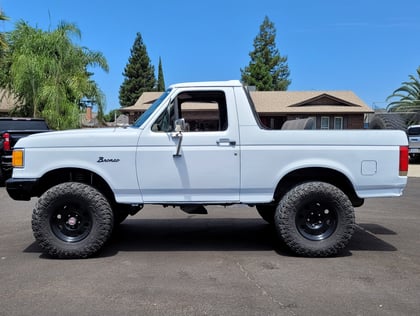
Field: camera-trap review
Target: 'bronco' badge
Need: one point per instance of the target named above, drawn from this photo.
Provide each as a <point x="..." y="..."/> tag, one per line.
<point x="102" y="159"/>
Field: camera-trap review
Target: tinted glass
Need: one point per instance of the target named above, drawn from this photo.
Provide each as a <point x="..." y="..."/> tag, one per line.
<point x="22" y="125"/>
<point x="414" y="131"/>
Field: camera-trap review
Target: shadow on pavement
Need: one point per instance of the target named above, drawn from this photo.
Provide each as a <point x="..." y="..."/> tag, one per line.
<point x="365" y="238"/>
<point x="234" y="234"/>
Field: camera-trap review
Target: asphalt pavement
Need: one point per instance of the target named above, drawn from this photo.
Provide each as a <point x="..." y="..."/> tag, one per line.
<point x="229" y="262"/>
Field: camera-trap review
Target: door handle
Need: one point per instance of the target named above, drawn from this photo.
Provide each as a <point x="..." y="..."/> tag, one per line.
<point x="226" y="142"/>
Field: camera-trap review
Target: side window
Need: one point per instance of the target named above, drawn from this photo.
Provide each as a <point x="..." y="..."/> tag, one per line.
<point x="165" y="121"/>
<point x="203" y="111"/>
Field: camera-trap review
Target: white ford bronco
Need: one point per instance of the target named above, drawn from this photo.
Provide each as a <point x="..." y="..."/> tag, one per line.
<point x="202" y="144"/>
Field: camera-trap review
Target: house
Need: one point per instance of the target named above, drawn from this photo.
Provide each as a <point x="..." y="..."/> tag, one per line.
<point x="330" y="109"/>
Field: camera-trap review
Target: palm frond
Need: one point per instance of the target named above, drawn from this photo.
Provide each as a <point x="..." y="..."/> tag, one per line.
<point x="407" y="96"/>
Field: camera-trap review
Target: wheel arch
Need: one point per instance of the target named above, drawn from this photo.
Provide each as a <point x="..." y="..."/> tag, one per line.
<point x="322" y="174"/>
<point x="58" y="176"/>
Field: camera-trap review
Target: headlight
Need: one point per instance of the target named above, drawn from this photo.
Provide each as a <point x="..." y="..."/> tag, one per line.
<point x="18" y="158"/>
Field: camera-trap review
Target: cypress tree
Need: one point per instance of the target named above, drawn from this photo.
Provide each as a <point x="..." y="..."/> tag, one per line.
<point x="267" y="70"/>
<point x="161" y="79"/>
<point x="139" y="74"/>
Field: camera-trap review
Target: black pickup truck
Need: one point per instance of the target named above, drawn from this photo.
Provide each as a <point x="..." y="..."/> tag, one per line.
<point x="11" y="130"/>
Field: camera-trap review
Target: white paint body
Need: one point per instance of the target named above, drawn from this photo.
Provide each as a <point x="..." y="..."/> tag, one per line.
<point x="140" y="167"/>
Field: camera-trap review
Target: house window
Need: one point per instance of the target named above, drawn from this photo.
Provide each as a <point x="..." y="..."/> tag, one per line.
<point x="325" y="122"/>
<point x="338" y="122"/>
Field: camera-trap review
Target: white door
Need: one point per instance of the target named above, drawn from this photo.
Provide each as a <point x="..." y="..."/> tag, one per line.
<point x="205" y="166"/>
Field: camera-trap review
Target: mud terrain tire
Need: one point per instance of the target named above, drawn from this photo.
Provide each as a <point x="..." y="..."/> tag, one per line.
<point x="72" y="220"/>
<point x="315" y="219"/>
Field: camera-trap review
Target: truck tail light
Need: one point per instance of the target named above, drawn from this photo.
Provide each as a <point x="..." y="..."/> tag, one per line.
<point x="6" y="141"/>
<point x="404" y="160"/>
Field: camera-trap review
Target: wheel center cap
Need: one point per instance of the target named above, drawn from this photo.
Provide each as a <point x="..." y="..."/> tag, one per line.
<point x="72" y="221"/>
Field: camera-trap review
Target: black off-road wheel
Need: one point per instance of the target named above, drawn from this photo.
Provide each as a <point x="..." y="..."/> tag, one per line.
<point x="72" y="220"/>
<point x="315" y="219"/>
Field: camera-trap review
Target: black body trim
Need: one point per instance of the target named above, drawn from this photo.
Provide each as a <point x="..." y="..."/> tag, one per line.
<point x="21" y="189"/>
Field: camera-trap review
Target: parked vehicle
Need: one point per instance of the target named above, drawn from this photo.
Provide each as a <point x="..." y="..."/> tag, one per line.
<point x="305" y="182"/>
<point x="11" y="130"/>
<point x="413" y="133"/>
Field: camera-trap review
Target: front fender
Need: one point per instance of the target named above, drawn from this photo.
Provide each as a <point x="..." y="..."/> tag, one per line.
<point x="115" y="165"/>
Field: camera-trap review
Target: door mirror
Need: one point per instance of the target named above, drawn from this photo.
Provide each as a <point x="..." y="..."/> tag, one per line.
<point x="180" y="125"/>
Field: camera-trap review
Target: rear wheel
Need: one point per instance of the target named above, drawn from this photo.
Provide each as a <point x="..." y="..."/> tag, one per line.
<point x="72" y="220"/>
<point x="315" y="219"/>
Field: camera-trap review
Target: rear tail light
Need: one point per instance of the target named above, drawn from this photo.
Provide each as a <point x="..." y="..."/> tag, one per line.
<point x="403" y="160"/>
<point x="6" y="141"/>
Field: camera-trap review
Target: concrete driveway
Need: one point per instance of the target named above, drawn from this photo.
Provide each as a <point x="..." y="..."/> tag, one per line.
<point x="165" y="262"/>
<point x="414" y="170"/>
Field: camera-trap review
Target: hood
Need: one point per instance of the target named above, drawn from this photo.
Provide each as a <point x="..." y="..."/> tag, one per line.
<point x="99" y="137"/>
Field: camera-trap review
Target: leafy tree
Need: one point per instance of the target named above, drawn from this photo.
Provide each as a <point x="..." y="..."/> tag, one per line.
<point x="49" y="74"/>
<point x="267" y="70"/>
<point x="110" y="117"/>
<point x="139" y="74"/>
<point x="161" y="79"/>
<point x="408" y="96"/>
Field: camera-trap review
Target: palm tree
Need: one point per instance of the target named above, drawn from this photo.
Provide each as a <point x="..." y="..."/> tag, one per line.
<point x="51" y="74"/>
<point x="408" y="96"/>
<point x="3" y="43"/>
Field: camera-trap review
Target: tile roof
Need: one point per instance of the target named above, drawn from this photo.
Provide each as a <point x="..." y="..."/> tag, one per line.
<point x="293" y="102"/>
<point x="308" y="102"/>
<point x="145" y="100"/>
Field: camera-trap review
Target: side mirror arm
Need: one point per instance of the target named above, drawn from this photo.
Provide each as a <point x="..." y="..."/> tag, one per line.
<point x="179" y="128"/>
<point x="178" y="146"/>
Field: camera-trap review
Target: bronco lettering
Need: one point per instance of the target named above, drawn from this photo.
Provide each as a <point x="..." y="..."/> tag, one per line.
<point x="102" y="159"/>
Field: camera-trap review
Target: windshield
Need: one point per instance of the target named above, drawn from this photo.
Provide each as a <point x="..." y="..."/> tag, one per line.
<point x="151" y="109"/>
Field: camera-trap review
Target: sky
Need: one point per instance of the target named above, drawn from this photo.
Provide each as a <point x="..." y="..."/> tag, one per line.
<point x="367" y="46"/>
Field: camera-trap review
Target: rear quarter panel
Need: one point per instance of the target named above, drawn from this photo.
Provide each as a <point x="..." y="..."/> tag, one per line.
<point x="369" y="159"/>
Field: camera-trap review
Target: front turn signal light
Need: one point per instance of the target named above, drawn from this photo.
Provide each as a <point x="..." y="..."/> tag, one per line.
<point x="17" y="158"/>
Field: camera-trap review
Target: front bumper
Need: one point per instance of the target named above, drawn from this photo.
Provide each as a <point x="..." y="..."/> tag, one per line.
<point x="21" y="189"/>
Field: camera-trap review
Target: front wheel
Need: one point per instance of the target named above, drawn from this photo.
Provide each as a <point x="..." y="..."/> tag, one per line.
<point x="315" y="219"/>
<point x="72" y="220"/>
